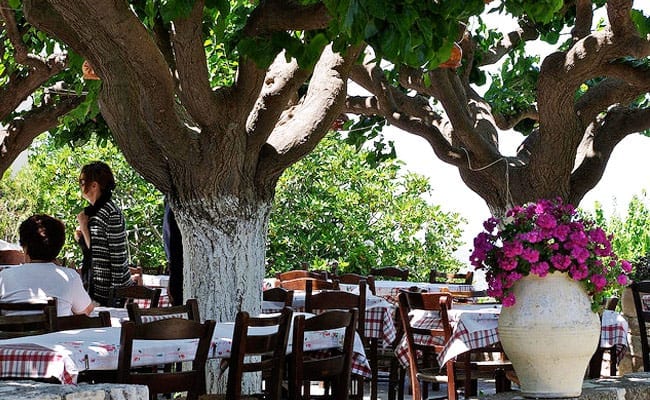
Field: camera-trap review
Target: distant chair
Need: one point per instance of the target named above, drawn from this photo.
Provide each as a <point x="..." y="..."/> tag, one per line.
<point x="641" y="294"/>
<point x="458" y="278"/>
<point x="119" y="296"/>
<point x="278" y="295"/>
<point x="308" y="284"/>
<point x="82" y="321"/>
<point x="27" y="318"/>
<point x="190" y="310"/>
<point x="390" y="273"/>
<point x="354" y="279"/>
<point x="301" y="273"/>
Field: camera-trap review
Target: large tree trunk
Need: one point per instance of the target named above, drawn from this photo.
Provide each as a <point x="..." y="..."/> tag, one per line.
<point x="224" y="241"/>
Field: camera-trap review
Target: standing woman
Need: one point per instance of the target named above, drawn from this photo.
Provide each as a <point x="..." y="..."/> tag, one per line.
<point x="103" y="232"/>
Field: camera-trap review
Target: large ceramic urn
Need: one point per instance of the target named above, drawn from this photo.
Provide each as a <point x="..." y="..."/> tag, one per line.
<point x="549" y="335"/>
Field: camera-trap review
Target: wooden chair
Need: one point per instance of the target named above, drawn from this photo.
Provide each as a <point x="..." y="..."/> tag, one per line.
<point x="335" y="368"/>
<point x="143" y="315"/>
<point x="279" y="295"/>
<point x="424" y="367"/>
<point x="342" y="300"/>
<point x="458" y="278"/>
<point x="119" y="296"/>
<point x="301" y="273"/>
<point x="27" y="318"/>
<point x="354" y="279"/>
<point x="265" y="353"/>
<point x="162" y="381"/>
<point x="641" y="293"/>
<point x="82" y="321"/>
<point x="313" y="283"/>
<point x="390" y="273"/>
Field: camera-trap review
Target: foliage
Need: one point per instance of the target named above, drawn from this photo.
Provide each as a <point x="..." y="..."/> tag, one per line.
<point x="48" y="184"/>
<point x="332" y="206"/>
<point x="545" y="237"/>
<point x="631" y="236"/>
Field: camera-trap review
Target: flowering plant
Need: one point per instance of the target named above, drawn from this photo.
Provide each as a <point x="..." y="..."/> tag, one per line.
<point x="543" y="237"/>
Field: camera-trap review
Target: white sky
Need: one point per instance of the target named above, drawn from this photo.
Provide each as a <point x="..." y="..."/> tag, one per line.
<point x="626" y="175"/>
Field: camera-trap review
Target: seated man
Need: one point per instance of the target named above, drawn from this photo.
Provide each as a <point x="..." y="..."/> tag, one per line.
<point x="42" y="238"/>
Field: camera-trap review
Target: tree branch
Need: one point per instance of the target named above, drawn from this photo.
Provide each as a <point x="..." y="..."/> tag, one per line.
<point x="506" y="122"/>
<point x="191" y="65"/>
<point x="281" y="85"/>
<point x="22" y="131"/>
<point x="598" y="145"/>
<point x="21" y="53"/>
<point x="304" y="125"/>
<point x="526" y="32"/>
<point x="282" y="15"/>
<point x="584" y="17"/>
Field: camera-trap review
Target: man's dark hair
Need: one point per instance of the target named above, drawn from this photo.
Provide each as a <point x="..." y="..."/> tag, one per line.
<point x="100" y="172"/>
<point x="42" y="236"/>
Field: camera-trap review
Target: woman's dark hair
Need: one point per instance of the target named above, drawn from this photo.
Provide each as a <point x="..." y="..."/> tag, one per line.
<point x="42" y="236"/>
<point x="100" y="172"/>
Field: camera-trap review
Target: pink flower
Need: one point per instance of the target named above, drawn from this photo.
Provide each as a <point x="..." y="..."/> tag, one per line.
<point x="513" y="249"/>
<point x="508" y="264"/>
<point x="599" y="281"/>
<point x="627" y="267"/>
<point x="509" y="300"/>
<point x="530" y="255"/>
<point x="622" y="279"/>
<point x="560" y="261"/>
<point x="546" y="221"/>
<point x="540" y="269"/>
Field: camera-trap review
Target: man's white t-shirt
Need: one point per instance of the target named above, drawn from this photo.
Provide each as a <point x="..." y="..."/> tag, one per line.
<point x="38" y="281"/>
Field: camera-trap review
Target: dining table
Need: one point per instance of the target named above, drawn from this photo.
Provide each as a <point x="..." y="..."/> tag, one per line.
<point x="156" y="282"/>
<point x="63" y="355"/>
<point x="475" y="326"/>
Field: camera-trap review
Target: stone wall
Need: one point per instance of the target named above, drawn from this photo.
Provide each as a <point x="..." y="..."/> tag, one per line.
<point x="634" y="386"/>
<point x="31" y="390"/>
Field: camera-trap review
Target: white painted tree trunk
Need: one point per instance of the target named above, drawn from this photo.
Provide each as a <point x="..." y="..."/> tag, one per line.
<point x="224" y="257"/>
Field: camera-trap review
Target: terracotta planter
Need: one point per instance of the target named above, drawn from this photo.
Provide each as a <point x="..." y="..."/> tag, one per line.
<point x="549" y="335"/>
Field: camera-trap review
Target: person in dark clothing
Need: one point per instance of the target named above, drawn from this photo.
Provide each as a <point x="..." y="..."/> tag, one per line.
<point x="103" y="231"/>
<point x="174" y="250"/>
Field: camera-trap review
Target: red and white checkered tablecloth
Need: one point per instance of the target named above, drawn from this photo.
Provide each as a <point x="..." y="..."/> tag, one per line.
<point x="33" y="361"/>
<point x="476" y="329"/>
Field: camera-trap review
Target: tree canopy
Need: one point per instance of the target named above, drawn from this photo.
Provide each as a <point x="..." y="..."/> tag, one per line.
<point x="212" y="100"/>
<point x="332" y="206"/>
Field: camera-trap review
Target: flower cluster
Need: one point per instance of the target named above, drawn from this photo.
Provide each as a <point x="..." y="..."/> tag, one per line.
<point x="543" y="237"/>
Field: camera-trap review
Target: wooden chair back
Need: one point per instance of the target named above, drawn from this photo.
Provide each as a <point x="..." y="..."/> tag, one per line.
<point x="82" y="321"/>
<point x="119" y="296"/>
<point x="259" y="352"/>
<point x="390" y="273"/>
<point x="301" y="273"/>
<point x="354" y="279"/>
<point x="443" y="277"/>
<point x="166" y="381"/>
<point x="307" y="284"/>
<point x="305" y="366"/>
<point x="190" y="310"/>
<point x="641" y="295"/>
<point x="425" y="367"/>
<point x="279" y="295"/>
<point x="27" y="318"/>
<point x="339" y="300"/>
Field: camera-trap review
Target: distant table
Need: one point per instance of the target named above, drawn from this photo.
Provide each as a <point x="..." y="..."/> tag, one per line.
<point x="64" y="354"/>
<point x="156" y="282"/>
<point x="389" y="290"/>
<point x="475" y="326"/>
